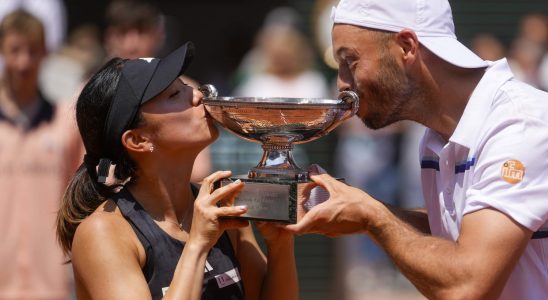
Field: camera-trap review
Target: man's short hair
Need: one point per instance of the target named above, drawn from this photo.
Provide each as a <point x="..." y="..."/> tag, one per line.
<point x="22" y="22"/>
<point x="129" y="14"/>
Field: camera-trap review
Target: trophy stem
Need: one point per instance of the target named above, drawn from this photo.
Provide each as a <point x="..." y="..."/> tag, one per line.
<point x="277" y="161"/>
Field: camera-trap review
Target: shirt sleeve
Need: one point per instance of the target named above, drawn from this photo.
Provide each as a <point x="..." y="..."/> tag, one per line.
<point x="511" y="173"/>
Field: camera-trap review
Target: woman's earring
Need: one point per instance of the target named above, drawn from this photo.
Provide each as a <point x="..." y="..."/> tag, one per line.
<point x="151" y="148"/>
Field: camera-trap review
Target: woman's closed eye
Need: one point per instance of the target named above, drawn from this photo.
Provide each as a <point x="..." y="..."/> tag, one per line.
<point x="174" y="93"/>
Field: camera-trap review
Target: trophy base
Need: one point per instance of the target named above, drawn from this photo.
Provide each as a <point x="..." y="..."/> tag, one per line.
<point x="276" y="200"/>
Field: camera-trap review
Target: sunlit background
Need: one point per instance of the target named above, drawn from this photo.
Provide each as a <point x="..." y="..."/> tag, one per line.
<point x="281" y="48"/>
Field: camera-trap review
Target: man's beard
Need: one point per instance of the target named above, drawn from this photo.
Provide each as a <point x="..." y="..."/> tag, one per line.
<point x="390" y="91"/>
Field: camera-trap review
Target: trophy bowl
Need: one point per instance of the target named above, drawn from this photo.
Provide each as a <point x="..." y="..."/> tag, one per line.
<point x="279" y="123"/>
<point x="274" y="188"/>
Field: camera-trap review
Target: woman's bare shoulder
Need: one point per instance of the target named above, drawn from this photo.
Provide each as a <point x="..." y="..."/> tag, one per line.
<point x="106" y="230"/>
<point x="107" y="256"/>
<point x="105" y="221"/>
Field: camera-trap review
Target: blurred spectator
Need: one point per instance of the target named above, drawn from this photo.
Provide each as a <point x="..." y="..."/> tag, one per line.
<point x="280" y="65"/>
<point x="135" y="28"/>
<point x="488" y="47"/>
<point x="524" y="58"/>
<point x="543" y="72"/>
<point x="283" y="67"/>
<point x="534" y="28"/>
<point x="40" y="149"/>
<point x="64" y="71"/>
<point x="52" y="14"/>
<point x="282" y="62"/>
<point x="529" y="51"/>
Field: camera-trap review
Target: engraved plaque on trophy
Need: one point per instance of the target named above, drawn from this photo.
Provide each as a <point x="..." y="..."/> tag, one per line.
<point x="273" y="187"/>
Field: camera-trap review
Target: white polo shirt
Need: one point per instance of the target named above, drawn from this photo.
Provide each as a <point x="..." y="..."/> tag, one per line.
<point x="498" y="158"/>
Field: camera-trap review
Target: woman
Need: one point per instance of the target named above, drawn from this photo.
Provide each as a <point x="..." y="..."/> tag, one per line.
<point x="146" y="231"/>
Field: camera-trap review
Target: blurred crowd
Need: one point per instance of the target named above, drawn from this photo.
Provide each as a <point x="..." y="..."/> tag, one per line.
<point x="43" y="66"/>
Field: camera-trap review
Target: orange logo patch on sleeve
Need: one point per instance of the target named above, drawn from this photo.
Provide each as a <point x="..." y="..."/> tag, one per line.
<point x="512" y="171"/>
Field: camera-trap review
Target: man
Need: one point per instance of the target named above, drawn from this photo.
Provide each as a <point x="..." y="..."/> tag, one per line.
<point x="134" y="29"/>
<point x="52" y="14"/>
<point x="484" y="234"/>
<point x="40" y="149"/>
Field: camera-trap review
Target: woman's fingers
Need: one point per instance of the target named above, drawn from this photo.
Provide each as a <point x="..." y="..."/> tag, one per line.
<point x="231" y="211"/>
<point x="226" y="194"/>
<point x="224" y="214"/>
<point x="229" y="223"/>
<point x="207" y="183"/>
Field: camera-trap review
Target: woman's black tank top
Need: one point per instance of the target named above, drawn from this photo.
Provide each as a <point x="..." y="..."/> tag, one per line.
<point x="222" y="278"/>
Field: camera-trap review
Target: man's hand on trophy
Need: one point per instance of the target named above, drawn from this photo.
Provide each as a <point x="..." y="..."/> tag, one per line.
<point x="346" y="211"/>
<point x="315" y="169"/>
<point x="310" y="194"/>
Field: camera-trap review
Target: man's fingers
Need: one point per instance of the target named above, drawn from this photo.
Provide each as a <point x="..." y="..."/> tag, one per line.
<point x="305" y="225"/>
<point x="306" y="188"/>
<point x="326" y="181"/>
<point x="315" y="169"/>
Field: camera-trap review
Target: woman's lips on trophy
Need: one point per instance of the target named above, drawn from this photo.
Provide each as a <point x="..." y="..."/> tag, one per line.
<point x="207" y="115"/>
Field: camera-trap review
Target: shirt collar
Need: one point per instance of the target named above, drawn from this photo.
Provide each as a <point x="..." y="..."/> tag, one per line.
<point x="44" y="113"/>
<point x="480" y="102"/>
<point x="432" y="141"/>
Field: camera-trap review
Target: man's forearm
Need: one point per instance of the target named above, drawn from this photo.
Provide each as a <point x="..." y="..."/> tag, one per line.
<point x="418" y="218"/>
<point x="432" y="264"/>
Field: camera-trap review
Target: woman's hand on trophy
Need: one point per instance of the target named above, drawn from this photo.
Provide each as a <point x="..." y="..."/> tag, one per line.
<point x="274" y="233"/>
<point x="207" y="222"/>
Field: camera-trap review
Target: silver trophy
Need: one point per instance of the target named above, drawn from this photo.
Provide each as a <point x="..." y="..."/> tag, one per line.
<point x="273" y="187"/>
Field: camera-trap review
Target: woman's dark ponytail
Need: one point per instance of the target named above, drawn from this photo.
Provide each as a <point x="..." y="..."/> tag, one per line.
<point x="84" y="193"/>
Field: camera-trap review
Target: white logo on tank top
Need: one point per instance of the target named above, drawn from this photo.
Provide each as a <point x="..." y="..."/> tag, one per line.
<point x="208" y="267"/>
<point x="228" y="278"/>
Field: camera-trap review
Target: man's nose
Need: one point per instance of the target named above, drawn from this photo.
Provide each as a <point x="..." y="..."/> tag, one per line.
<point x="343" y="85"/>
<point x="345" y="80"/>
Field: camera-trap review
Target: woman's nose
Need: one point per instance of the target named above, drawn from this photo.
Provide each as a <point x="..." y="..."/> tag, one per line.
<point x="197" y="97"/>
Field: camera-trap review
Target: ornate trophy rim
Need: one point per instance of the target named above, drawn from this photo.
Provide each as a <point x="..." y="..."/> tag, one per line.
<point x="275" y="101"/>
<point x="278" y="123"/>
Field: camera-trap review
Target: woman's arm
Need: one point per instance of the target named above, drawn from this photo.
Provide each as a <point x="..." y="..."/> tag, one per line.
<point x="207" y="227"/>
<point x="108" y="256"/>
<point x="107" y="259"/>
<point x="281" y="280"/>
<point x="189" y="274"/>
<point x="271" y="277"/>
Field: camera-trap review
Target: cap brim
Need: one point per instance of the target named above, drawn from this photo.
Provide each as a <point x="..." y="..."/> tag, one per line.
<point x="452" y="51"/>
<point x="169" y="68"/>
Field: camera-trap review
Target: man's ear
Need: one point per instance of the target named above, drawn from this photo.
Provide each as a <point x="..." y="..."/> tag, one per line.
<point x="409" y="45"/>
<point x="133" y="141"/>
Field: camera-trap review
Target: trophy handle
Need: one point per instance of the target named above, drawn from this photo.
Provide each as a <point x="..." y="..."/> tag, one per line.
<point x="208" y="90"/>
<point x="352" y="98"/>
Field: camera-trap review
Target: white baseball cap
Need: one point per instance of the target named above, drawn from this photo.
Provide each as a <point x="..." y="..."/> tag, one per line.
<point x="431" y="20"/>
